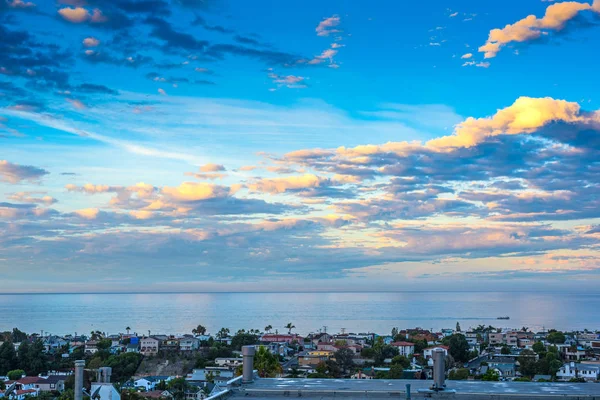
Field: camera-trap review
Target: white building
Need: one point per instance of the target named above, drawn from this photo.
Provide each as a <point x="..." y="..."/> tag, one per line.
<point x="149" y="382"/>
<point x="404" y="348"/>
<point x="428" y="352"/>
<point x="577" y="370"/>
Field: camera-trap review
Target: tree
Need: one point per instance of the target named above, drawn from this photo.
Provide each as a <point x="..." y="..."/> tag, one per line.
<point x="266" y="363"/>
<point x="490" y="375"/>
<point x="243" y="339"/>
<point x="18" y="336"/>
<point x="268" y="328"/>
<point x="527" y="363"/>
<point x="539" y="347"/>
<point x="395" y="372"/>
<point x="459" y="374"/>
<point x="289" y="327"/>
<point x="505" y="350"/>
<point x="104" y="344"/>
<point x="199" y="330"/>
<point x="556" y="337"/>
<point x="402" y="361"/>
<point x="459" y="347"/>
<point x="367" y="352"/>
<point x="223" y="333"/>
<point x="15" y="374"/>
<point x="344" y="357"/>
<point x="178" y="387"/>
<point x="394" y="333"/>
<point x="8" y="357"/>
<point x="420" y="345"/>
<point x="128" y="329"/>
<point x="457" y="327"/>
<point x="2" y="385"/>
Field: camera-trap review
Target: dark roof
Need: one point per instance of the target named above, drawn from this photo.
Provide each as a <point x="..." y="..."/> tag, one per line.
<point x="55" y="378"/>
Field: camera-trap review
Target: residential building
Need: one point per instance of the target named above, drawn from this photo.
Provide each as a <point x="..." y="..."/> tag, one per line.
<point x="404" y="348"/>
<point x="313" y="358"/>
<point x="156" y="394"/>
<point x="570" y="370"/>
<point x="150" y="382"/>
<point x="573" y="353"/>
<point x="189" y="344"/>
<point x="149" y="346"/>
<point x="91" y="346"/>
<point x="231" y="363"/>
<point x="288" y="338"/>
<point x="133" y="348"/>
<point x="496" y="338"/>
<point x="428" y="352"/>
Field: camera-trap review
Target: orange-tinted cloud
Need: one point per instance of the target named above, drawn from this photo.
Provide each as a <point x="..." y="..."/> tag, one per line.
<point x="555" y="19"/>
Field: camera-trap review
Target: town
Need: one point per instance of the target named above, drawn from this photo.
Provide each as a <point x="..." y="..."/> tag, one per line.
<point x="132" y="365"/>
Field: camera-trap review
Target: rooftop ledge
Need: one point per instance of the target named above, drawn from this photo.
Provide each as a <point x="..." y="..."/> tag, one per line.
<point x="380" y="388"/>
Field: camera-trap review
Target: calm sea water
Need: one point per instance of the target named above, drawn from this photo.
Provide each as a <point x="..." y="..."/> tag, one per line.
<point x="309" y="312"/>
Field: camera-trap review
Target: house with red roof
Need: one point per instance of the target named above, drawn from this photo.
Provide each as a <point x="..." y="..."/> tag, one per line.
<point x="404" y="348"/>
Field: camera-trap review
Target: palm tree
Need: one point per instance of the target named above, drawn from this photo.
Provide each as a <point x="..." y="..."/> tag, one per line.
<point x="128" y="329"/>
<point x="268" y="328"/>
<point x="266" y="363"/>
<point x="223" y="333"/>
<point x="199" y="330"/>
<point x="289" y="327"/>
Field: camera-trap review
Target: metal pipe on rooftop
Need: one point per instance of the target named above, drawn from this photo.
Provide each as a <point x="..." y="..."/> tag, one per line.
<point x="79" y="366"/>
<point x="439" y="369"/>
<point x="248" y="367"/>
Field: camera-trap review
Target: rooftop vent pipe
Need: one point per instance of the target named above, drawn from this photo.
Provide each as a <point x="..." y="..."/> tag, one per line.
<point x="248" y="367"/>
<point x="79" y="366"/>
<point x="439" y="369"/>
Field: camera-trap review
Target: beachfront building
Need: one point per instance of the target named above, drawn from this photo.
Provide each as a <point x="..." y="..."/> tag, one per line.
<point x="149" y="346"/>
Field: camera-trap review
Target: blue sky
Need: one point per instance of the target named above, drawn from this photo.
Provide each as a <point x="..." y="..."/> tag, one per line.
<point x="222" y="145"/>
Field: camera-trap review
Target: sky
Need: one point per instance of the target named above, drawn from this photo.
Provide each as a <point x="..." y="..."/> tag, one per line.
<point x="220" y="145"/>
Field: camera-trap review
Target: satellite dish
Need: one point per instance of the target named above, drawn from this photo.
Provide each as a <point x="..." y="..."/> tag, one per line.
<point x="10" y="389"/>
<point x="96" y="394"/>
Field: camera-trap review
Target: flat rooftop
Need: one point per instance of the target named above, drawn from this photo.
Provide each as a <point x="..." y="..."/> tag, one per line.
<point x="379" y="388"/>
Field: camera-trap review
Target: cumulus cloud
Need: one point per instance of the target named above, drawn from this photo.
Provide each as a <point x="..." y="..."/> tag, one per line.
<point x="529" y="28"/>
<point x="91" y="42"/>
<point x="281" y="185"/>
<point x="30" y="197"/>
<point x="212" y="168"/>
<point x="75" y="15"/>
<point x="15" y="173"/>
<point x="328" y="26"/>
<point x="289" y="81"/>
<point x="468" y="55"/>
<point x="525" y="115"/>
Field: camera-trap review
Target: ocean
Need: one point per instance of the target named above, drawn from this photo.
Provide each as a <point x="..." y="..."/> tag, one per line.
<point x="179" y="313"/>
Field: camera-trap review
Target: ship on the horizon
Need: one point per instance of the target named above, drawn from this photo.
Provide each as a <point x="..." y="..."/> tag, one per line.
<point x="507" y="317"/>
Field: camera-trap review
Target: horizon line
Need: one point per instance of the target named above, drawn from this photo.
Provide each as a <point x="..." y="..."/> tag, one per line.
<point x="297" y="291"/>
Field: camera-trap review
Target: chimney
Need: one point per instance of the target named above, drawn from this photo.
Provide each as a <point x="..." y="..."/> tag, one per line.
<point x="439" y="369"/>
<point x="103" y="375"/>
<point x="248" y="367"/>
<point x="79" y="365"/>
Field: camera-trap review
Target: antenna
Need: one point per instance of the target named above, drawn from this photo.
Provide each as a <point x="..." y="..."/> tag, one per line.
<point x="325" y="328"/>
